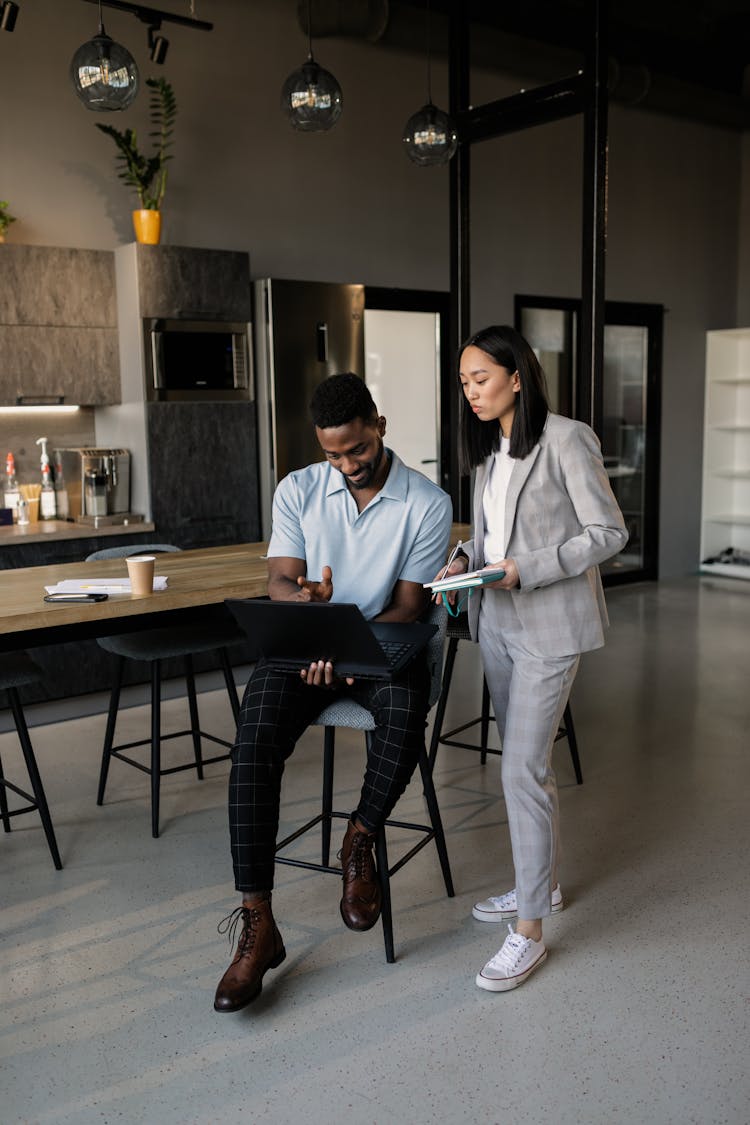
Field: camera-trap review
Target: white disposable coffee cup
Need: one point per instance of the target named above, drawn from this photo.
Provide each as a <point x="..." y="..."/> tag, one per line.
<point x="141" y="574"/>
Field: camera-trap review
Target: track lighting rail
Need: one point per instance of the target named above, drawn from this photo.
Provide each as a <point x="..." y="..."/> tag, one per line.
<point x="153" y="16"/>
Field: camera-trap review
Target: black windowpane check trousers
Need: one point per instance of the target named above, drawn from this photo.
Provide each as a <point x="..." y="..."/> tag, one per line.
<point x="277" y="707"/>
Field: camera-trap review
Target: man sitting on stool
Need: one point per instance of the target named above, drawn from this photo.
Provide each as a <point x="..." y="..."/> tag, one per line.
<point x="358" y="527"/>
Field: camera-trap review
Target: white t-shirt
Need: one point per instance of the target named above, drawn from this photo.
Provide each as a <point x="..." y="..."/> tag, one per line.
<point x="493" y="503"/>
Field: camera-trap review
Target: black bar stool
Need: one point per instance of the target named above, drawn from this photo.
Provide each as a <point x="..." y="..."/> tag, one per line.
<point x="458" y="630"/>
<point x="153" y="646"/>
<point x="16" y="671"/>
<point x="346" y="713"/>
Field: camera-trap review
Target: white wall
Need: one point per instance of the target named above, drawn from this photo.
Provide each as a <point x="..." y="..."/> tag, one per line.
<point x="743" y="264"/>
<point x="348" y="206"/>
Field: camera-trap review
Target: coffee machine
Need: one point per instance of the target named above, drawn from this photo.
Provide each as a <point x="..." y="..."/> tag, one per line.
<point x="98" y="485"/>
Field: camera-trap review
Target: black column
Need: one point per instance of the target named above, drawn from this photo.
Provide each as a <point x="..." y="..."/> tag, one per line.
<point x="588" y="405"/>
<point x="460" y="272"/>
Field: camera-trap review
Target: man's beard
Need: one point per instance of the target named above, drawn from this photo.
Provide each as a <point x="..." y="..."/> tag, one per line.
<point x="369" y="470"/>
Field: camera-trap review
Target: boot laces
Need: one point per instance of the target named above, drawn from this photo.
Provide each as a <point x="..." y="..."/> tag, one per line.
<point x="360" y="856"/>
<point x="250" y="917"/>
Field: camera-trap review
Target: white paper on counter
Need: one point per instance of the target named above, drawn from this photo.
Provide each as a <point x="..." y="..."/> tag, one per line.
<point x="100" y="585"/>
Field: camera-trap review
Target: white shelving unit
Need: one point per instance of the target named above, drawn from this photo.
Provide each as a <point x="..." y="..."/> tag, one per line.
<point x="725" y="515"/>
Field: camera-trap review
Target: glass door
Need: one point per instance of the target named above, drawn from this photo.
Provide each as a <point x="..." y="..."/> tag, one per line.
<point x="631" y="383"/>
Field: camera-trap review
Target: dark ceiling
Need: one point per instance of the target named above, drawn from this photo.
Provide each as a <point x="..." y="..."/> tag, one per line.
<point x="686" y="58"/>
<point x="683" y="57"/>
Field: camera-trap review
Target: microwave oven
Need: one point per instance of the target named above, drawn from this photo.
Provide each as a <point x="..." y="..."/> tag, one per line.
<point x="196" y="359"/>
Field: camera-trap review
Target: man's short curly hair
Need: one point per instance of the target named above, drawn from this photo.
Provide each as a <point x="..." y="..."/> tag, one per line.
<point x="340" y="399"/>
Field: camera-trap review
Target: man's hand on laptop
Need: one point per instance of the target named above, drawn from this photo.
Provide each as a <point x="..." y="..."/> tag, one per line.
<point x="316" y="591"/>
<point x="321" y="674"/>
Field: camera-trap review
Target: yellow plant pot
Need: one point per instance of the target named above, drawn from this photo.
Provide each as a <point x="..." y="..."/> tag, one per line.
<point x="147" y="226"/>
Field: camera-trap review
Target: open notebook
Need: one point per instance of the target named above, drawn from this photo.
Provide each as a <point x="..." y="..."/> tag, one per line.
<point x="100" y="585"/>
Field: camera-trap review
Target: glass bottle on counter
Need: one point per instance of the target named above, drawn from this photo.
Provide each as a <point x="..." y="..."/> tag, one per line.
<point x="47" y="505"/>
<point x="61" y="492"/>
<point x="10" y="490"/>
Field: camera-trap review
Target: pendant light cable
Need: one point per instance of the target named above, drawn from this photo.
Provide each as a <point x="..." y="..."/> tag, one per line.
<point x="429" y="54"/>
<point x="429" y="136"/>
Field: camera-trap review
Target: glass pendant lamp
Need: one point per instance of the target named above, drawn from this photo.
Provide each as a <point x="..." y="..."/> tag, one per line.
<point x="311" y="97"/>
<point x="104" y="74"/>
<point x="430" y="135"/>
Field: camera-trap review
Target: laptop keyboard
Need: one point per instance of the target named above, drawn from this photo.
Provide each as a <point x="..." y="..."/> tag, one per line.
<point x="394" y="649"/>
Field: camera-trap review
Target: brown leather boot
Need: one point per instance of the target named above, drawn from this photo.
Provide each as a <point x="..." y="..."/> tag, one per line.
<point x="259" y="948"/>
<point x="360" y="903"/>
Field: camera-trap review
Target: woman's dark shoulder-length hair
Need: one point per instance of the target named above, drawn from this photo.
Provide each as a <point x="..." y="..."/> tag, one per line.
<point x="478" y="439"/>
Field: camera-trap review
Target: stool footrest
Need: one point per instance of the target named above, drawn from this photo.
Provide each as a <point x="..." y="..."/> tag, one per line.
<point x="21" y="793"/>
<point x="166" y="737"/>
<point x="428" y="835"/>
<point x="115" y="753"/>
<point x="309" y="865"/>
<point x="26" y="808"/>
<point x="301" y="831"/>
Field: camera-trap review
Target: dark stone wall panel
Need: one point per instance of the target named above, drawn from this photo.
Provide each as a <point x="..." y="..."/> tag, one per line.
<point x="204" y="472"/>
<point x="57" y="285"/>
<point x="181" y="281"/>
<point x="83" y="364"/>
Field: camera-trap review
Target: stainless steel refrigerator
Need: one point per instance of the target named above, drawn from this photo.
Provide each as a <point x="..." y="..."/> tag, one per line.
<point x="303" y="332"/>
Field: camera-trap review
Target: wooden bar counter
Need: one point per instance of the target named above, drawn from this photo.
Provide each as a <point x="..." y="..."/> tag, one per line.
<point x="196" y="579"/>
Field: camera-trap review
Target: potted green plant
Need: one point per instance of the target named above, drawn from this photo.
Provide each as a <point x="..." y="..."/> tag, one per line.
<point x="5" y="218"/>
<point x="148" y="174"/>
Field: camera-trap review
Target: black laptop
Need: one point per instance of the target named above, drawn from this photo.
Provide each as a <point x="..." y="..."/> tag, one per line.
<point x="290" y="635"/>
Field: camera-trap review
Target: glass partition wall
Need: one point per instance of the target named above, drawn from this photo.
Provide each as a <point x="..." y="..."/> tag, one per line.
<point x="631" y="381"/>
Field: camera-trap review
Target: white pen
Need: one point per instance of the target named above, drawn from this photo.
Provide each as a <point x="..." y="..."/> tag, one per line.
<point x="102" y="588"/>
<point x="452" y="556"/>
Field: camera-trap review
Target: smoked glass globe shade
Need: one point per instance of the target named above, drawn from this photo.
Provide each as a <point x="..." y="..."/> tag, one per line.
<point x="311" y="98"/>
<point x="430" y="136"/>
<point x="104" y="74"/>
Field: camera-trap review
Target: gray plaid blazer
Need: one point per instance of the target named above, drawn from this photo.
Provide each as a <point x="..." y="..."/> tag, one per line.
<point x="561" y="521"/>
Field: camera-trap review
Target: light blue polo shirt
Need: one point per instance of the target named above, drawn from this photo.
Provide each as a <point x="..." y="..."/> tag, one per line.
<point x="402" y="533"/>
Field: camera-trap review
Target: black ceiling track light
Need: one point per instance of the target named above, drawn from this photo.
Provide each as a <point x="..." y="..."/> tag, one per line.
<point x="8" y="15"/>
<point x="154" y="17"/>
<point x="157" y="44"/>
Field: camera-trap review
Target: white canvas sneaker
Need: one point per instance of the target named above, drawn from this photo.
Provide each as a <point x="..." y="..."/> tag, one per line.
<point x="513" y="964"/>
<point x="505" y="906"/>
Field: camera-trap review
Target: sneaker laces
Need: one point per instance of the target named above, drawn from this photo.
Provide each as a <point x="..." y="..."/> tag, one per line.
<point x="250" y="917"/>
<point x="514" y="947"/>
<point x="504" y="902"/>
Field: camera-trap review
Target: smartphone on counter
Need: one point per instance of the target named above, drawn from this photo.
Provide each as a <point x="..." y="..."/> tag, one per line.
<point x="75" y="597"/>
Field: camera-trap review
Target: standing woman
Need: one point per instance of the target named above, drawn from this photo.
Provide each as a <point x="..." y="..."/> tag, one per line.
<point x="544" y="513"/>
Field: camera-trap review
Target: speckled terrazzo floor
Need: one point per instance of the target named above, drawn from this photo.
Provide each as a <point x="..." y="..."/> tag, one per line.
<point x="640" y="1015"/>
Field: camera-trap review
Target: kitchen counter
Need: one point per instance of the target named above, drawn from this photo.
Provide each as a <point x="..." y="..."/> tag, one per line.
<point x="76" y="667"/>
<point x="42" y="530"/>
